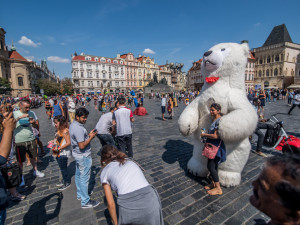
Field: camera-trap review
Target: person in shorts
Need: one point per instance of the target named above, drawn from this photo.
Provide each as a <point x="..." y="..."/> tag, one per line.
<point x="24" y="137"/>
<point x="163" y="106"/>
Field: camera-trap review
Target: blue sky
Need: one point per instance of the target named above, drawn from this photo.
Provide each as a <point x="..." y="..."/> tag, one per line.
<point x="175" y="30"/>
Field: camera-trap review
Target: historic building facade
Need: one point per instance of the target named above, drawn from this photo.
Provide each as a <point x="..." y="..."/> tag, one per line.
<point x="165" y="73"/>
<point x="195" y="79"/>
<point x="131" y="71"/>
<point x="91" y="74"/>
<point x="250" y="72"/>
<point x="275" y="61"/>
<point x="147" y="69"/>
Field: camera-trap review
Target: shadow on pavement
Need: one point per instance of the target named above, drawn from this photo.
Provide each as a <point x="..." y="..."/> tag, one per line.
<point x="37" y="213"/>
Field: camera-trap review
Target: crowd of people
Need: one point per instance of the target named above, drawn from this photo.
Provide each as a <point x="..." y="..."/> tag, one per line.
<point x="138" y="202"/>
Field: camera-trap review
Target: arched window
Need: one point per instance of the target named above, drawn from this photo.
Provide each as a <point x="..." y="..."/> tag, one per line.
<point x="267" y="73"/>
<point x="259" y="73"/>
<point x="268" y="59"/>
<point x="260" y="61"/>
<point x="20" y="81"/>
<point x="277" y="58"/>
<point x="280" y="71"/>
<point x="275" y="72"/>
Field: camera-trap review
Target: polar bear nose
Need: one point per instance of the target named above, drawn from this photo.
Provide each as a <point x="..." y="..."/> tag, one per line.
<point x="207" y="53"/>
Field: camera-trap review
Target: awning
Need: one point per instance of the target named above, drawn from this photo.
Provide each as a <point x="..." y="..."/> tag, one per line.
<point x="294" y="86"/>
<point x="271" y="87"/>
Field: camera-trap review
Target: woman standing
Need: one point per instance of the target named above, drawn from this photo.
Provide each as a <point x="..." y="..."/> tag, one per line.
<point x="63" y="141"/>
<point x="213" y="137"/>
<point x="170" y="106"/>
<point x="138" y="202"/>
<point x="262" y="98"/>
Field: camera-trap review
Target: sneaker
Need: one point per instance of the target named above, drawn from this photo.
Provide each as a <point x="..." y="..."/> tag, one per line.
<point x="64" y="187"/>
<point x="60" y="184"/>
<point x="37" y="173"/>
<point x="90" y="204"/>
<point x="17" y="197"/>
<point x="22" y="183"/>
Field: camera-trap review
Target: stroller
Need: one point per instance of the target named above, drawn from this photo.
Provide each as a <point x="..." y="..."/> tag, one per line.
<point x="277" y="138"/>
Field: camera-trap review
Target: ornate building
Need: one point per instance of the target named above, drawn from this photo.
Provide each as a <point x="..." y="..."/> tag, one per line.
<point x="250" y="72"/>
<point x="165" y="72"/>
<point x="147" y="69"/>
<point x="131" y="71"/>
<point x="275" y="63"/>
<point x="195" y="79"/>
<point x="297" y="76"/>
<point x="4" y="56"/>
<point x="91" y="74"/>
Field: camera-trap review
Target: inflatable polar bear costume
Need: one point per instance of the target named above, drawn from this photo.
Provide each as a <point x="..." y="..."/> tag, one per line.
<point x="226" y="63"/>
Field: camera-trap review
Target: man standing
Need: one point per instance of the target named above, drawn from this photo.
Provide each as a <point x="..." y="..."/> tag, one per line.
<point x="24" y="137"/>
<point x="163" y="106"/>
<point x="71" y="110"/>
<point x="104" y="128"/>
<point x="80" y="141"/>
<point x="296" y="101"/>
<point x="122" y="119"/>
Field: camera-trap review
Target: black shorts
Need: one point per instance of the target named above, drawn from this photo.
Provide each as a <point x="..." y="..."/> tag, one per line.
<point x="163" y="109"/>
<point x="29" y="147"/>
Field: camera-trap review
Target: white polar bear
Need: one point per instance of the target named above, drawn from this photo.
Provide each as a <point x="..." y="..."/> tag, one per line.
<point x="223" y="68"/>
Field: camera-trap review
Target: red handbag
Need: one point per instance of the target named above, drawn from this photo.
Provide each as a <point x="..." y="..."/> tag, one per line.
<point x="210" y="150"/>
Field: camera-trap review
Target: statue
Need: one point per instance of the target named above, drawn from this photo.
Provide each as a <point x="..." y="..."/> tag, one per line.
<point x="155" y="78"/>
<point x="164" y="81"/>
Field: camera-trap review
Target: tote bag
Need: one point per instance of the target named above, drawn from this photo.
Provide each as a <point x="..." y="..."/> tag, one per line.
<point x="210" y="150"/>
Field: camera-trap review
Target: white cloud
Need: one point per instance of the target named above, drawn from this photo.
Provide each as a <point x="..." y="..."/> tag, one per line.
<point x="63" y="43"/>
<point x="258" y="24"/>
<point x="58" y="59"/>
<point x="148" y="51"/>
<point x="28" y="42"/>
<point x="31" y="57"/>
<point x="174" y="51"/>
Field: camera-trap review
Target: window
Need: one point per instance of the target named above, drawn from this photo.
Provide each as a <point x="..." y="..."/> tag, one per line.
<point x="275" y="72"/>
<point x="268" y="59"/>
<point x="82" y="74"/>
<point x="280" y="71"/>
<point x="96" y="59"/>
<point x="115" y="61"/>
<point x="122" y="62"/>
<point x="102" y="60"/>
<point x="103" y="66"/>
<point x="104" y="75"/>
<point x="110" y="76"/>
<point x="109" y="61"/>
<point x="81" y="66"/>
<point x="117" y="83"/>
<point x="20" y="81"/>
<point x="259" y="73"/>
<point x="97" y="75"/>
<point x="260" y="61"/>
<point x="109" y="68"/>
<point x="267" y="73"/>
<point x="82" y="83"/>
<point x="98" y="83"/>
<point x="96" y="66"/>
<point x="298" y="73"/>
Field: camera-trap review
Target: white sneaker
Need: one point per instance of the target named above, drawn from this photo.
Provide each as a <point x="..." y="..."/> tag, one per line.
<point x="37" y="173"/>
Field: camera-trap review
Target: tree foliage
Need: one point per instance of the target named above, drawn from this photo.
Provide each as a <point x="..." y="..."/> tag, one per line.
<point x="50" y="87"/>
<point x="5" y="85"/>
<point x="67" y="86"/>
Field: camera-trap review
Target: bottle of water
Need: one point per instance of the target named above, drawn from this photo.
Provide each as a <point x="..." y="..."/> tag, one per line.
<point x="203" y="138"/>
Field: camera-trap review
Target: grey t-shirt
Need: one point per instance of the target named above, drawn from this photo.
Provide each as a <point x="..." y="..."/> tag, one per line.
<point x="79" y="134"/>
<point x="105" y="123"/>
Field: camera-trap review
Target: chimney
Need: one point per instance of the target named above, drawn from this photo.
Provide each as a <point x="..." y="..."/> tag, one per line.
<point x="118" y="56"/>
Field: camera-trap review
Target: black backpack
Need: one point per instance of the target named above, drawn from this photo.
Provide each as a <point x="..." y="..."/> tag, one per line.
<point x="271" y="136"/>
<point x="12" y="174"/>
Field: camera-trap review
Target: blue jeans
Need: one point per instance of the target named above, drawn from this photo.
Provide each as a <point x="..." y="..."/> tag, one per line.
<point x="82" y="177"/>
<point x="2" y="217"/>
<point x="106" y="139"/>
<point x="63" y="165"/>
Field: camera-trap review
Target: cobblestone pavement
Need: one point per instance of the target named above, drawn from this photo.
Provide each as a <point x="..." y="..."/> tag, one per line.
<point x="163" y="153"/>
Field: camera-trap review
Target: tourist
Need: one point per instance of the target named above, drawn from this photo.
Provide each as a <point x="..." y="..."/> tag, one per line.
<point x="276" y="191"/>
<point x="63" y="142"/>
<point x="262" y="98"/>
<point x="57" y="109"/>
<point x="296" y="101"/>
<point x="261" y="124"/>
<point x="48" y="108"/>
<point x="105" y="129"/>
<point x="24" y="137"/>
<point x="138" y="202"/>
<point x="163" y="106"/>
<point x="9" y="124"/>
<point x="71" y="110"/>
<point x="213" y="137"/>
<point x="140" y="110"/>
<point x="122" y="119"/>
<point x="290" y="97"/>
<point x="170" y="106"/>
<point x="80" y="141"/>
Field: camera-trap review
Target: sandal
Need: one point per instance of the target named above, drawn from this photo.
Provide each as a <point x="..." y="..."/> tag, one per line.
<point x="215" y="191"/>
<point x="210" y="186"/>
<point x="18" y="197"/>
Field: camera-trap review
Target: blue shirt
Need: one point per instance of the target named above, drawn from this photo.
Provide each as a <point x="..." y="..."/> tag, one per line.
<point x="221" y="154"/>
<point x="79" y="134"/>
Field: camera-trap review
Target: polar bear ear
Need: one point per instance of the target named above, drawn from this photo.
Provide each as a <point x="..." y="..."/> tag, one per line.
<point x="246" y="49"/>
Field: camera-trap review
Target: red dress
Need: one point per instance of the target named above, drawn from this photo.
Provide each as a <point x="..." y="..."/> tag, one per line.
<point x="140" y="111"/>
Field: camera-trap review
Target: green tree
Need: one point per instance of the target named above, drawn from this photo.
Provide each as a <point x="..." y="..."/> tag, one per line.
<point x="5" y="85"/>
<point x="67" y="86"/>
<point x="50" y="87"/>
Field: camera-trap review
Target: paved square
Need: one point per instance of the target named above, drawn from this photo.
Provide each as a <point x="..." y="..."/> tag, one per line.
<point x="163" y="152"/>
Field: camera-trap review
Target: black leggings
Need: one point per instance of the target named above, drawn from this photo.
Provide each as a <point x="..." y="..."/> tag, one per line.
<point x="212" y="166"/>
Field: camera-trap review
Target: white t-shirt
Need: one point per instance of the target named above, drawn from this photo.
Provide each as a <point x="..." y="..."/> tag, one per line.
<point x="297" y="99"/>
<point x="122" y="117"/>
<point x="123" y="178"/>
<point x="163" y="102"/>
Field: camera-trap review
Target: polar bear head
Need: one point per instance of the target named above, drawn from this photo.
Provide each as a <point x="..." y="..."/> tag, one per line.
<point x="226" y="62"/>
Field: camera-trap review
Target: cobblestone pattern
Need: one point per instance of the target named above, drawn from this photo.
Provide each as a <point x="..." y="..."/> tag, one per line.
<point x="163" y="153"/>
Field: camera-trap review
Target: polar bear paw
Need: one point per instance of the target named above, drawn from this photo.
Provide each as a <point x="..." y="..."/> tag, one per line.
<point x="197" y="168"/>
<point x="229" y="179"/>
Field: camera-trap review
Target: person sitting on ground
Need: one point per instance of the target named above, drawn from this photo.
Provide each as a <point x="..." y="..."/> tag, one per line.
<point x="138" y="201"/>
<point x="140" y="110"/>
<point x="213" y="137"/>
<point x="276" y="192"/>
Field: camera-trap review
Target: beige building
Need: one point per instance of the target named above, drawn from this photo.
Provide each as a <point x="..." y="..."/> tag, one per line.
<point x="4" y="56"/>
<point x="250" y="72"/>
<point x="297" y="76"/>
<point x="275" y="63"/>
<point x="195" y="78"/>
<point x="146" y="69"/>
<point x="164" y="72"/>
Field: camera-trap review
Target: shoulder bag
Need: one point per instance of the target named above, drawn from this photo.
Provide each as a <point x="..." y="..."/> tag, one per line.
<point x="210" y="150"/>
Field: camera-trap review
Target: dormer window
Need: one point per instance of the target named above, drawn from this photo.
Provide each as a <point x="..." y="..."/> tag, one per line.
<point x="109" y="61"/>
<point x="103" y="60"/>
<point x="96" y="59"/>
<point x="115" y="61"/>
